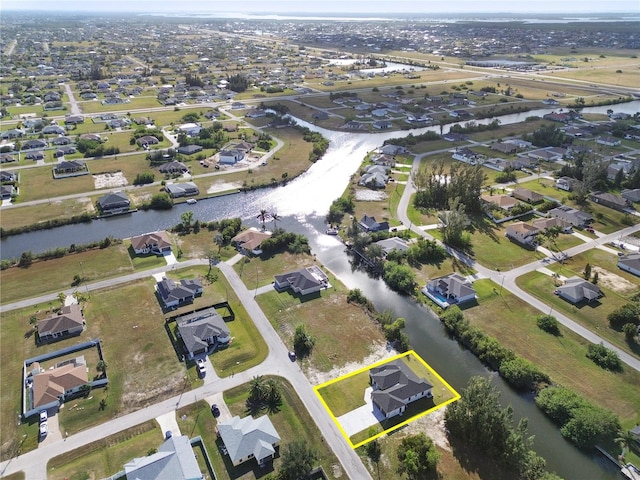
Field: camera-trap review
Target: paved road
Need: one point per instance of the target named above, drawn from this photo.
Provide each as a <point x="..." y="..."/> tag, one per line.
<point x="507" y="279"/>
<point x="277" y="363"/>
<point x="75" y="109"/>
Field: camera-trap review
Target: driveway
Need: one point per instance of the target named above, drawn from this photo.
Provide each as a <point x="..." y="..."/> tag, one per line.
<point x="218" y="399"/>
<point x="362" y="417"/>
<point x="54" y="434"/>
<point x="168" y="423"/>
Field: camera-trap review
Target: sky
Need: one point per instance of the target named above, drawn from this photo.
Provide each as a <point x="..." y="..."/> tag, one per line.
<point x="329" y="6"/>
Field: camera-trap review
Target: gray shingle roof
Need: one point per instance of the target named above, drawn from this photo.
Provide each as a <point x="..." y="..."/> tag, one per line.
<point x="245" y="436"/>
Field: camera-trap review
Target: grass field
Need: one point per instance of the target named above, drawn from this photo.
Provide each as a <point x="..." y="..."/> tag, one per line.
<point x="57" y="274"/>
<point x="292" y="422"/>
<point x="107" y="456"/>
<point x="512" y="322"/>
<point x="31" y="214"/>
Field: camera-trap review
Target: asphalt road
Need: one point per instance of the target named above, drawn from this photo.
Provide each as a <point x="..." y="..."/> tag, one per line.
<point x="507" y="279"/>
<point x="34" y="463"/>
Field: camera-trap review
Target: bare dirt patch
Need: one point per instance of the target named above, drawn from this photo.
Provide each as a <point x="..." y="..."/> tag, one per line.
<point x="370" y="195"/>
<point x="110" y="180"/>
<point x="223" y="187"/>
<point x="378" y="352"/>
<point x="614" y="282"/>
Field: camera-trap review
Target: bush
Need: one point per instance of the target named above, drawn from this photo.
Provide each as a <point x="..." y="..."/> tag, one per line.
<point x="604" y="357"/>
<point x="549" y="324"/>
<point x="522" y="374"/>
<point x="161" y="201"/>
<point x="144" y="178"/>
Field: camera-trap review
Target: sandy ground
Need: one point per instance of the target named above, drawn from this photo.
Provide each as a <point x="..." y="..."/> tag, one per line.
<point x="613" y="281"/>
<point x="109" y="180"/>
<point x="223" y="186"/>
<point x="370" y="195"/>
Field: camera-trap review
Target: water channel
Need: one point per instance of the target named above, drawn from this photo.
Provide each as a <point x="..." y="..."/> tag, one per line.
<point x="303" y="204"/>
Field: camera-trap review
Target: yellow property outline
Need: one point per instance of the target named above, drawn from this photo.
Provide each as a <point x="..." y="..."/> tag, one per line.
<point x="456" y="396"/>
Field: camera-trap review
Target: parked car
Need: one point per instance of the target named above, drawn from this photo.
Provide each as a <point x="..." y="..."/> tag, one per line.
<point x="44" y="429"/>
<point x="43" y="416"/>
<point x="202" y="367"/>
<point x="215" y="410"/>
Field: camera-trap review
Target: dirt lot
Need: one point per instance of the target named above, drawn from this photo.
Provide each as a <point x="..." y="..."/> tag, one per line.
<point x="614" y="282"/>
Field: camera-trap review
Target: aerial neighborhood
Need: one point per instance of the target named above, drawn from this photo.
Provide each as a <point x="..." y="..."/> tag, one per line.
<point x="319" y="248"/>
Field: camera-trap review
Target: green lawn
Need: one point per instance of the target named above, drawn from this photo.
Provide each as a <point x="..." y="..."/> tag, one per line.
<point x="38" y="183"/>
<point x="512" y="322"/>
<point x="57" y="209"/>
<point x="107" y="456"/>
<point x="345" y="395"/>
<point x="57" y="274"/>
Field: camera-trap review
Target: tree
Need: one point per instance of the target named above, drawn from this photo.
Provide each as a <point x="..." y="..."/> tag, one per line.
<point x="213" y="258"/>
<point x="625" y="439"/>
<point x="418" y="456"/>
<point x="453" y="224"/>
<point x="627" y="313"/>
<point x="257" y="389"/>
<point x="630" y="331"/>
<point x="400" y="278"/>
<point x="374" y="451"/>
<point x="263" y="216"/>
<point x="587" y="271"/>
<point x="101" y="366"/>
<point x="187" y="220"/>
<point x="218" y="239"/>
<point x="297" y="461"/>
<point x="549" y="324"/>
<point x="303" y="343"/>
<point x="275" y="218"/>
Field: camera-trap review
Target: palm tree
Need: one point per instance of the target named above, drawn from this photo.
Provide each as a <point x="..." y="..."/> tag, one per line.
<point x="218" y="239"/>
<point x="257" y="388"/>
<point x="275" y="217"/>
<point x="625" y="439"/>
<point x="263" y="216"/>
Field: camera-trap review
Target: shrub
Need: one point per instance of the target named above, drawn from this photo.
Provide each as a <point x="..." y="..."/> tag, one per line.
<point x="161" y="201"/>
<point x="549" y="324"/>
<point x="604" y="357"/>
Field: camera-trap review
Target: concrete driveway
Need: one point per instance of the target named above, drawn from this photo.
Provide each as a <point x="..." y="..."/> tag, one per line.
<point x="168" y="423"/>
<point x="362" y="417"/>
<point x="218" y="399"/>
<point x="54" y="434"/>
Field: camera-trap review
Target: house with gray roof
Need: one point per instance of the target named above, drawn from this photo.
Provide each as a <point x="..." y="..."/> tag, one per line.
<point x="181" y="189"/>
<point x="393" y="243"/>
<point x="230" y="156"/>
<point x="630" y="263"/>
<point x="173" y="167"/>
<point x="174" y="294"/>
<point x="370" y="224"/>
<point x="202" y="332"/>
<point x="610" y="200"/>
<point x="633" y="195"/>
<point x="67" y="323"/>
<point x="248" y="438"/>
<point x="576" y="289"/>
<point x="303" y="282"/>
<point x="450" y="289"/>
<point x="174" y="460"/>
<point x="374" y="176"/>
<point x="572" y="216"/>
<point x="395" y="386"/>
<point x="114" y="203"/>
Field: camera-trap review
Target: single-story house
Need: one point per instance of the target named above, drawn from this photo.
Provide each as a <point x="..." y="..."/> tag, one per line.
<point x="70" y="166"/>
<point x="157" y="243"/>
<point x="173" y="167"/>
<point x="202" y="331"/>
<point x="247" y="438"/>
<point x="113" y="203"/>
<point x="73" y="119"/>
<point x="390" y="149"/>
<point x="189" y="149"/>
<point x="190" y="129"/>
<point x="64" y="150"/>
<point x="61" y="141"/>
<point x="503" y="147"/>
<point x="608" y="141"/>
<point x="67" y="323"/>
<point x="522" y="233"/>
<point x="34" y="144"/>
<point x="393" y="243"/>
<point x="572" y="216"/>
<point x="53" y="129"/>
<point x="8" y="177"/>
<point x="51" y="385"/>
<point x="147" y="140"/>
<point x="39" y="155"/>
<point x="250" y="240"/>
<point x="547" y="223"/>
<point x="382" y="124"/>
<point x="610" y="200"/>
<point x="566" y="183"/>
<point x="369" y="224"/>
<point x="505" y="202"/>
<point x="230" y="156"/>
<point x="384" y="160"/>
<point x="7" y="158"/>
<point x="7" y="191"/>
<point x="173" y="294"/>
<point x="91" y="137"/>
<point x="181" y="189"/>
<point x="320" y="115"/>
<point x="576" y="289"/>
<point x="630" y="263"/>
<point x="375" y="176"/>
<point x="527" y="195"/>
<point x="450" y="289"/>
<point x="633" y="195"/>
<point x="395" y="386"/>
<point x="174" y="459"/>
<point x="12" y="133"/>
<point x="303" y="282"/>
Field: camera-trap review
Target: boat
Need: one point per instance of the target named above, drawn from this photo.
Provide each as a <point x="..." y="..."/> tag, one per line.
<point x="191" y="201"/>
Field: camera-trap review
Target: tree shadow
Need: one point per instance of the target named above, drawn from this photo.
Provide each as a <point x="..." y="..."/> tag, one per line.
<point x="477" y="462"/>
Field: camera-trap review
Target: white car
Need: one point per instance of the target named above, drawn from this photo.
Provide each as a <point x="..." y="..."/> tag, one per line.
<point x="202" y="367"/>
<point x="43" y="416"/>
<point x="44" y="428"/>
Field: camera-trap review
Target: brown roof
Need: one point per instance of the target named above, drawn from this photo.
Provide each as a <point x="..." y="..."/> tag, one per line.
<point x="250" y="239"/>
<point x="50" y="384"/>
<point x="69" y="317"/>
<point x="159" y="238"/>
<point x="503" y="201"/>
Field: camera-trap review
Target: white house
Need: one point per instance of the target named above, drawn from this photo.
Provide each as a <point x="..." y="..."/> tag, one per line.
<point x="450" y="289"/>
<point x="190" y="129"/>
<point x="230" y="156"/>
<point x="522" y="233"/>
<point x="630" y="263"/>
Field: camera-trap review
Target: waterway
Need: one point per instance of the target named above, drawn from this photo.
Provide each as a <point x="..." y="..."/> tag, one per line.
<point x="302" y="204"/>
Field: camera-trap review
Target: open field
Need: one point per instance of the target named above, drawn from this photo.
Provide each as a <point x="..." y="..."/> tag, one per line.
<point x="57" y="274"/>
<point x="31" y="214"/>
<point x="513" y="323"/>
<point x="107" y="456"/>
<point x="38" y="183"/>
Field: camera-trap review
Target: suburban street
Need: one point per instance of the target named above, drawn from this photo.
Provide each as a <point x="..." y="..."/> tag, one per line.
<point x="34" y="463"/>
<point x="507" y="279"/>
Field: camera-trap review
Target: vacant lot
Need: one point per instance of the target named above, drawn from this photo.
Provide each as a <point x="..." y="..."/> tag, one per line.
<point x="512" y="322"/>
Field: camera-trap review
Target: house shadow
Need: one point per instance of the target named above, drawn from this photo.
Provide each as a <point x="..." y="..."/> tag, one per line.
<point x="413" y="409"/>
<point x="303" y="298"/>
